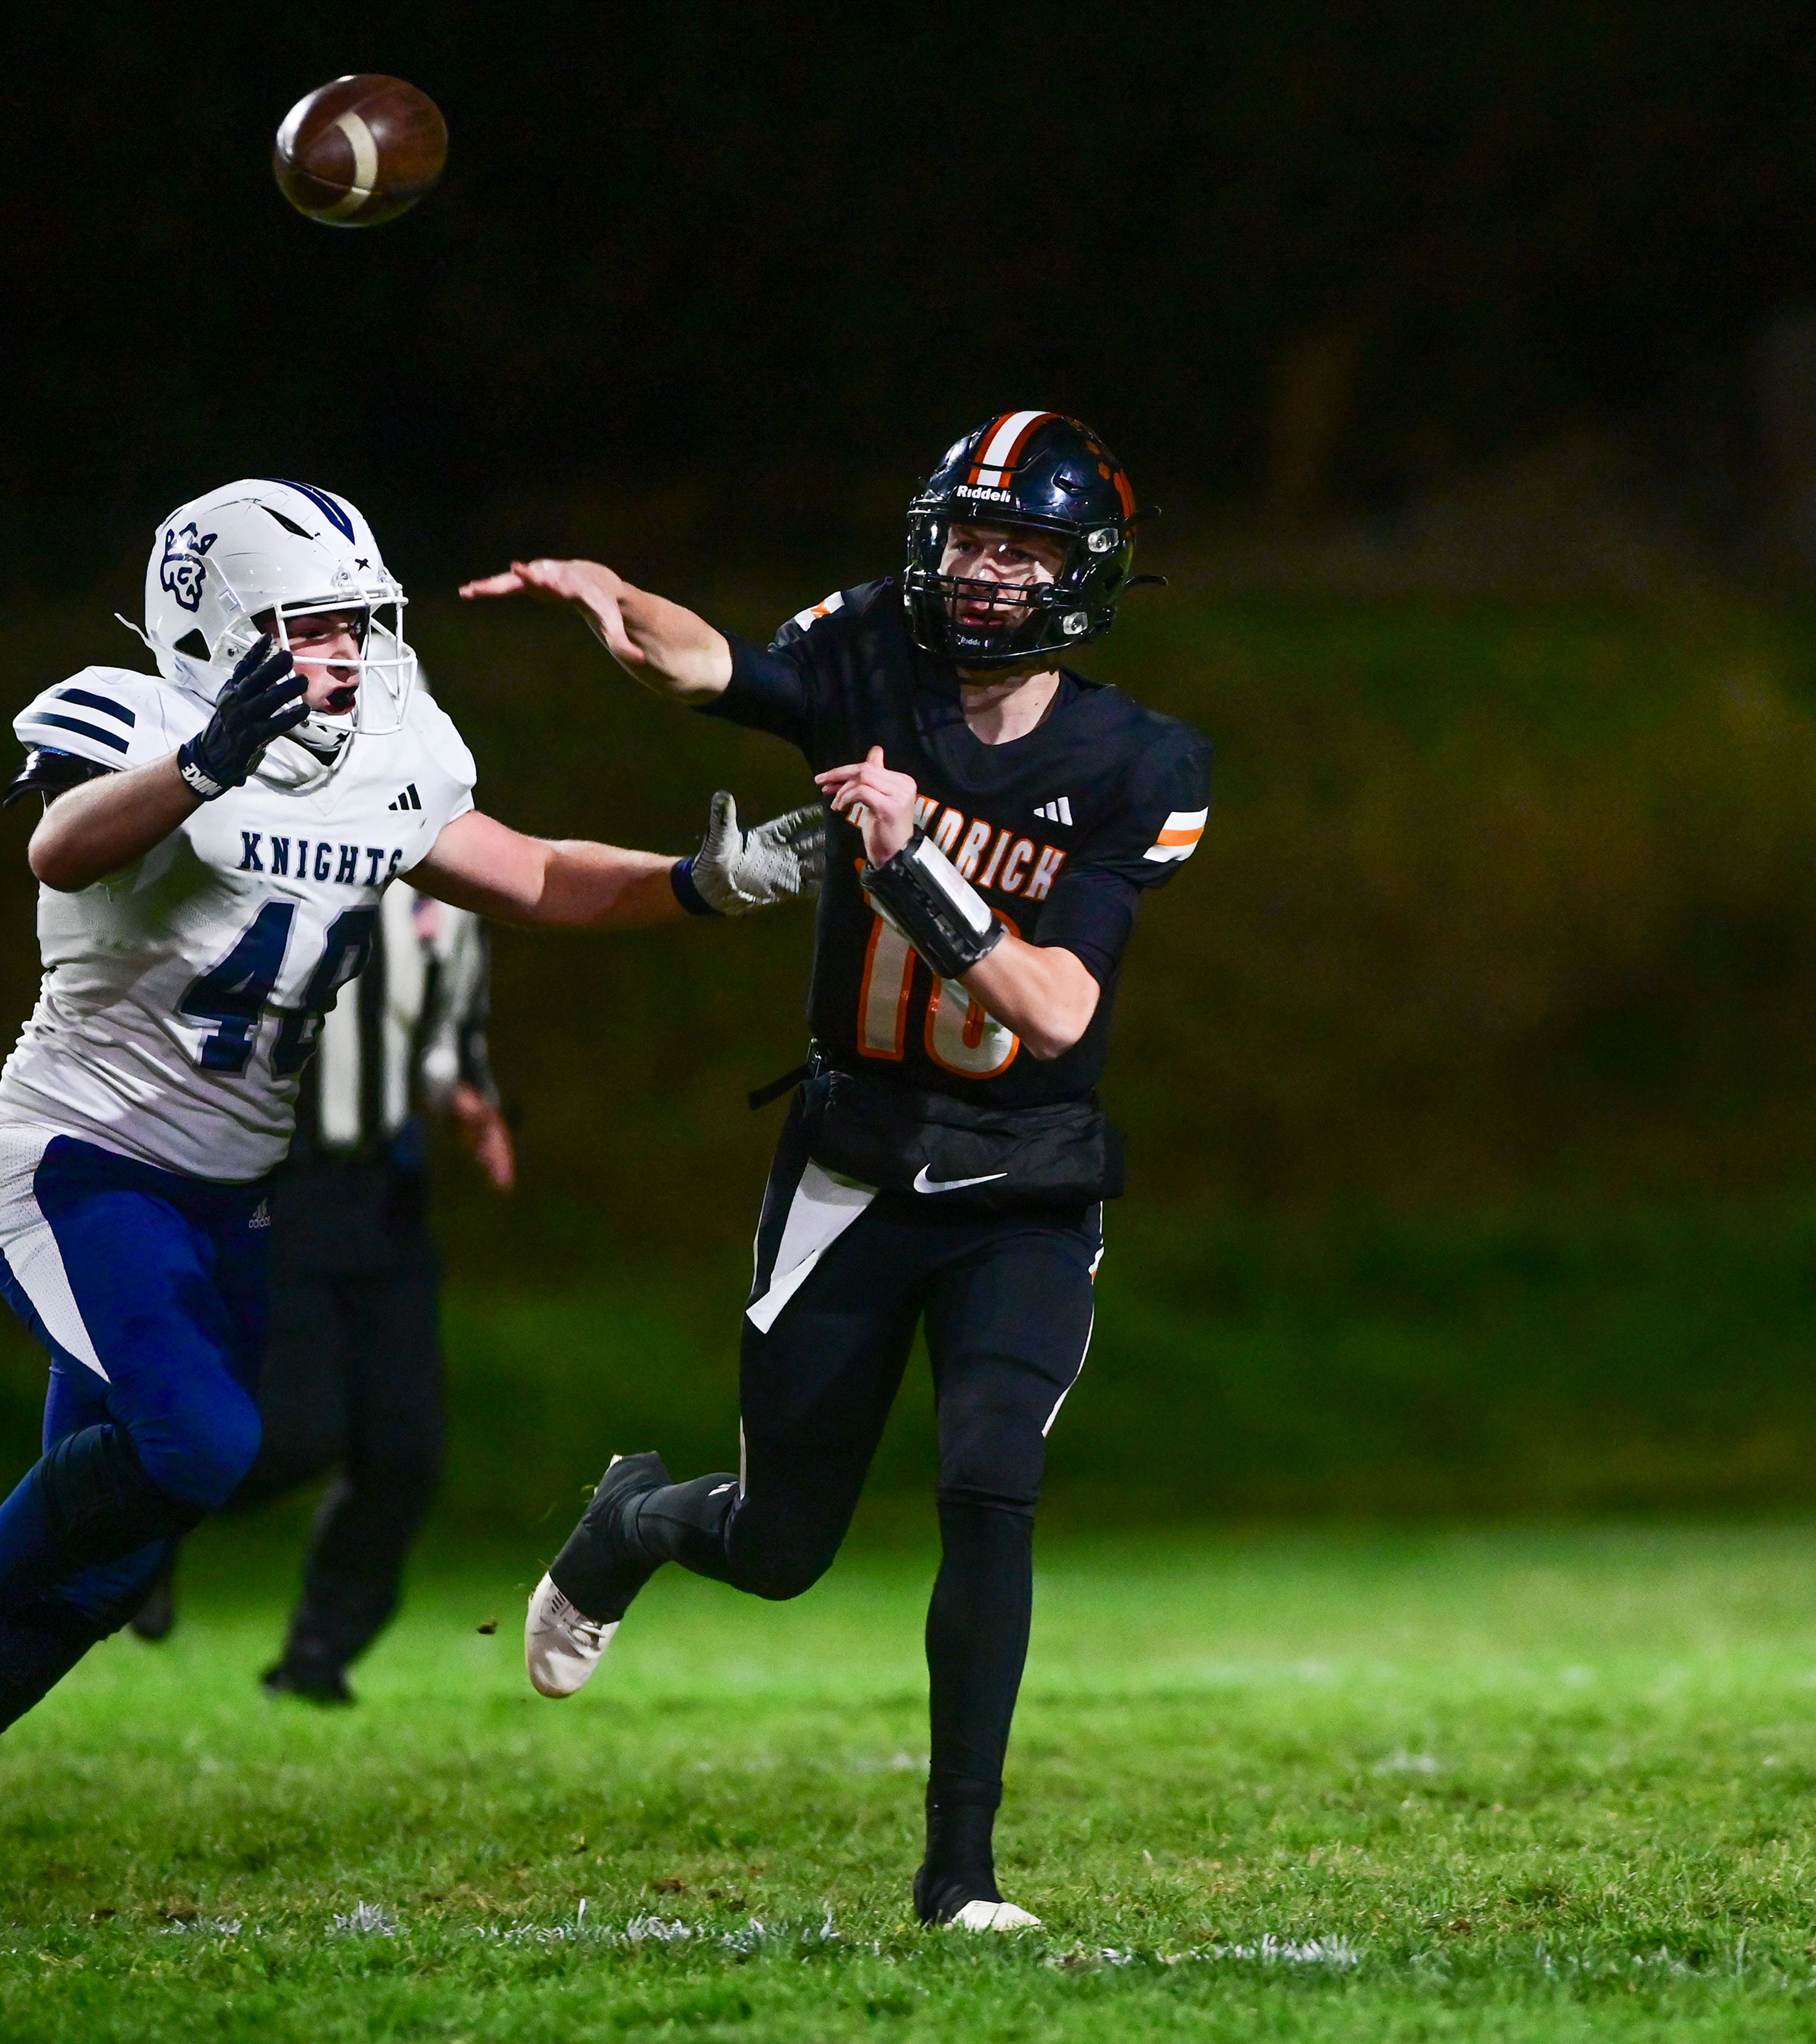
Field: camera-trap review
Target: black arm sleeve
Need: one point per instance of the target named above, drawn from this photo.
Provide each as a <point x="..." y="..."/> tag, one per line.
<point x="1090" y="913"/>
<point x="49" y="773"/>
<point x="768" y="691"/>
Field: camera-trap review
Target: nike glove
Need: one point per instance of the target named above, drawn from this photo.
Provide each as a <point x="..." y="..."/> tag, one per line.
<point x="736" y="870"/>
<point x="261" y="699"/>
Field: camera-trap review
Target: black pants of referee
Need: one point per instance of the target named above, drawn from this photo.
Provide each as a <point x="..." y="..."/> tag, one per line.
<point x="1007" y="1303"/>
<point x="352" y="1382"/>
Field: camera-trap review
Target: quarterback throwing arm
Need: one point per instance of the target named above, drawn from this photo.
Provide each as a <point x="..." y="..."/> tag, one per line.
<point x="1035" y="872"/>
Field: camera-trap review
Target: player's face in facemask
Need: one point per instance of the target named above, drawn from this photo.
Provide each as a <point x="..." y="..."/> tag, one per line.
<point x="1001" y="556"/>
<point x="326" y="647"/>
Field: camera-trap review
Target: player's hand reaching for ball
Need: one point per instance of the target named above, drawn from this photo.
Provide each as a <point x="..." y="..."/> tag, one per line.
<point x="736" y="869"/>
<point x="876" y="798"/>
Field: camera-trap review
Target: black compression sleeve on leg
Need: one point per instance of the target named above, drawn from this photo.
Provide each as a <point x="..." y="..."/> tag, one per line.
<point x="99" y="1502"/>
<point x="593" y="1577"/>
<point x="776" y="1550"/>
<point x="38" y="1645"/>
<point x="977" y="1641"/>
<point x="976" y="1645"/>
<point x="685" y="1523"/>
<point x="602" y="1567"/>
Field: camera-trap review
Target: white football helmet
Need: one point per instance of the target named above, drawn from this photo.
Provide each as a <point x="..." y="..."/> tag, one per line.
<point x="250" y="557"/>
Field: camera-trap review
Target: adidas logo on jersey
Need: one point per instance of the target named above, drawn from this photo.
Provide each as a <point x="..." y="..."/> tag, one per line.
<point x="1058" y="811"/>
<point x="410" y="799"/>
<point x="261" y="1215"/>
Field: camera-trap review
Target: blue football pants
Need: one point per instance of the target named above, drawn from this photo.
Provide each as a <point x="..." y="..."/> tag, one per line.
<point x="147" y="1289"/>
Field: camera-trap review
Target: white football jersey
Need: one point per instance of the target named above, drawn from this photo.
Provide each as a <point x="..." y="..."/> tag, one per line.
<point x="183" y="996"/>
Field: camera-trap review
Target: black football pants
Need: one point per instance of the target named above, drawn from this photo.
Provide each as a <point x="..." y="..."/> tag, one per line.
<point x="1007" y="1303"/>
<point x="352" y="1381"/>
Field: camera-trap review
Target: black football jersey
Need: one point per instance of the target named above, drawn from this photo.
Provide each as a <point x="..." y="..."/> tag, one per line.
<point x="1060" y="831"/>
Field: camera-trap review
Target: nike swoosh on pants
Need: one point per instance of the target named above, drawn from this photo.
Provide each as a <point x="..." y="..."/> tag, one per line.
<point x="924" y="1184"/>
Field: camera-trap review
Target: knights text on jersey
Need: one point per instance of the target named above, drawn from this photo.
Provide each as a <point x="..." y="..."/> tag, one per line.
<point x="182" y="996"/>
<point x="1060" y="832"/>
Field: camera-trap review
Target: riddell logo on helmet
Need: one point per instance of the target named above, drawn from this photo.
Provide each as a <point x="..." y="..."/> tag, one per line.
<point x="988" y="496"/>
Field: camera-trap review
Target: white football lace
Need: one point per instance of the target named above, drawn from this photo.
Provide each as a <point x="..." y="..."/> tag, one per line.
<point x="590" y="1632"/>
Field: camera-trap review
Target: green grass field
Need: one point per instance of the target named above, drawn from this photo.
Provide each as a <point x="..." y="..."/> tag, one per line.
<point x="1514" y="1783"/>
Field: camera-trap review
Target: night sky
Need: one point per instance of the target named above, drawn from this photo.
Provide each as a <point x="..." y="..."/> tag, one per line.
<point x="746" y="257"/>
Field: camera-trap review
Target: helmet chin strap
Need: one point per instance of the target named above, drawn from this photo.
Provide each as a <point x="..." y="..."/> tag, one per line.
<point x="326" y="737"/>
<point x="317" y="757"/>
<point x="327" y="733"/>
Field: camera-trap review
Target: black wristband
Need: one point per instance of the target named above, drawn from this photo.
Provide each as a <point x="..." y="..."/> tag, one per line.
<point x="935" y="906"/>
<point x="196" y="777"/>
<point x="681" y="879"/>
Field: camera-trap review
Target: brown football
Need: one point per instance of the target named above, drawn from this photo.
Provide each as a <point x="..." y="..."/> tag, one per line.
<point x="360" y="150"/>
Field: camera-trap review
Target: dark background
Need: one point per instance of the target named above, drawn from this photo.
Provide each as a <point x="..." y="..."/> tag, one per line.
<point x="742" y="270"/>
<point x="1469" y="1069"/>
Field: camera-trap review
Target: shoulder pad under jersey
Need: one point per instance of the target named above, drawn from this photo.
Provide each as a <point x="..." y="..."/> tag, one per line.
<point x="432" y="728"/>
<point x="1168" y="801"/>
<point x="853" y="602"/>
<point x="111" y="717"/>
<point x="804" y="621"/>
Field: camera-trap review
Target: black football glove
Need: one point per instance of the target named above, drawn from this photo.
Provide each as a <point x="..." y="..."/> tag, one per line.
<point x="263" y="698"/>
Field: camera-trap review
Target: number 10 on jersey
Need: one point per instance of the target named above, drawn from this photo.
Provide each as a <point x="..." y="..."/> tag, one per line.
<point x="962" y="1036"/>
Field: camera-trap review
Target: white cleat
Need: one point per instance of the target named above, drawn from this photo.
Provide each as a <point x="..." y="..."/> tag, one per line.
<point x="992" y="1916"/>
<point x="562" y="1644"/>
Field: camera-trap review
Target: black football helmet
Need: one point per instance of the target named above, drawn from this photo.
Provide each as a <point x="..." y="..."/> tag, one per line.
<point x="1041" y="470"/>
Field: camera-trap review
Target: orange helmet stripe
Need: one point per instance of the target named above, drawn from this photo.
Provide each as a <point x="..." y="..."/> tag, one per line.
<point x="1000" y="447"/>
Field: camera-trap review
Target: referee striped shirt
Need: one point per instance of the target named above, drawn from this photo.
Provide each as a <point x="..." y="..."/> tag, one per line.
<point x="404" y="1033"/>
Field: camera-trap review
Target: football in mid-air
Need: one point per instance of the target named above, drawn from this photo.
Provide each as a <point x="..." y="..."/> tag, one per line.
<point x="359" y="150"/>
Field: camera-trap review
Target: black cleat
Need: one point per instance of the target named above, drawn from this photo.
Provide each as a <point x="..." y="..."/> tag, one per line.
<point x="599" y="1568"/>
<point x="957" y="1903"/>
<point x="312" y="1685"/>
<point x="956" y="1886"/>
<point x="628" y="1476"/>
<point x="154" y="1619"/>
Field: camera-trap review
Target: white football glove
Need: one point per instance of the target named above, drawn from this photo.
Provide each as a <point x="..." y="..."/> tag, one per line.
<point x="736" y="870"/>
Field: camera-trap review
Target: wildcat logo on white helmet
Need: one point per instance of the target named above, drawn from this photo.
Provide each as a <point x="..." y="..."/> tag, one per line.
<point x="248" y="560"/>
<point x="183" y="570"/>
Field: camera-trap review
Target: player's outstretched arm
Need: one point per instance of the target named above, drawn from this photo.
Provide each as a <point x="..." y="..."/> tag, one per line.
<point x="662" y="644"/>
<point x="481" y="864"/>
